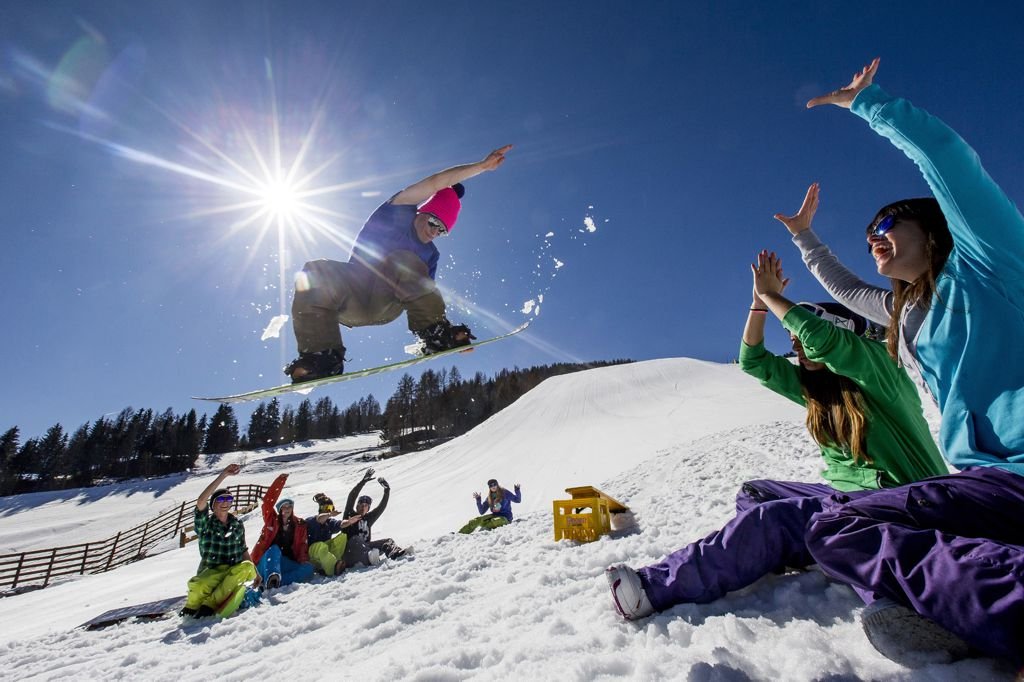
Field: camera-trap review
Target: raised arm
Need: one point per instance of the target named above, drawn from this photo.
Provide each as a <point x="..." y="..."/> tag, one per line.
<point x="427" y="187"/>
<point x="350" y="503"/>
<point x="775" y="373"/>
<point x="204" y="497"/>
<point x="987" y="227"/>
<point x="874" y="303"/>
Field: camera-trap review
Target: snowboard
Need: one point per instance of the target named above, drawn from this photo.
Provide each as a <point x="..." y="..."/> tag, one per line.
<point x="148" y="611"/>
<point x="244" y="597"/>
<point x="306" y="386"/>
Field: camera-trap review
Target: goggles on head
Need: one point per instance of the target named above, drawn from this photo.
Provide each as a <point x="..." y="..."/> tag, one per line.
<point x="837" y="320"/>
<point x="364" y="499"/>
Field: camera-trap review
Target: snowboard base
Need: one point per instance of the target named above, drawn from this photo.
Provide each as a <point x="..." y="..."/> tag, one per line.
<point x="307" y="386"/>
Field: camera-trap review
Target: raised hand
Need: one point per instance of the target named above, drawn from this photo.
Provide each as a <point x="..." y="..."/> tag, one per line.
<point x="477" y="496"/>
<point x="232" y="469"/>
<point x="368" y="475"/>
<point x="803" y="218"/>
<point x="843" y="97"/>
<point x="383" y="484"/>
<point x="768" y="275"/>
<point x="495" y="158"/>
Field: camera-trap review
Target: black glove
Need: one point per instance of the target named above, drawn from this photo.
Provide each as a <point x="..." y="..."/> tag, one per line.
<point x="383" y="484"/>
<point x="443" y="335"/>
<point x="368" y="476"/>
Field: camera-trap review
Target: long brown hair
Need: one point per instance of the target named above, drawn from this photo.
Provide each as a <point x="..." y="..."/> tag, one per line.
<point x="835" y="411"/>
<point x="939" y="243"/>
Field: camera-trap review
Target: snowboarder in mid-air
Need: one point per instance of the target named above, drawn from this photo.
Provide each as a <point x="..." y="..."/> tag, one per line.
<point x="391" y="268"/>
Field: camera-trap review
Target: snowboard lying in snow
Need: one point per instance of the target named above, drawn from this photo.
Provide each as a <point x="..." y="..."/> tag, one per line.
<point x="305" y="386"/>
<point x="149" y="611"/>
<point x="242" y="598"/>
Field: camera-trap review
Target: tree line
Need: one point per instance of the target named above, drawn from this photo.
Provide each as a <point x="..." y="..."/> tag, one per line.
<point x="143" y="443"/>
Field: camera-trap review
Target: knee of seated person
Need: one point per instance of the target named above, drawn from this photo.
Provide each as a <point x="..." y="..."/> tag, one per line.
<point x="824" y="526"/>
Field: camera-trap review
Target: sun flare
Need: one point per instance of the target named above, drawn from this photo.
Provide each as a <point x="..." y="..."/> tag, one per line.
<point x="281" y="199"/>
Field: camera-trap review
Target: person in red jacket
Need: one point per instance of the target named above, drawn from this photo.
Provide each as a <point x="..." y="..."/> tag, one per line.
<point x="282" y="553"/>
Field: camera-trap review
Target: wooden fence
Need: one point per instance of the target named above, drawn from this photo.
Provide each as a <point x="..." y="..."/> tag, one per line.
<point x="37" y="567"/>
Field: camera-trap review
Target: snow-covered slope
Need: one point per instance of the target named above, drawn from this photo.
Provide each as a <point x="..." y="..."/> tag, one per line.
<point x="671" y="438"/>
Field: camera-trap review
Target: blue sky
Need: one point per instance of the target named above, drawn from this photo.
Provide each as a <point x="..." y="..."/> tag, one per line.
<point x="128" y="130"/>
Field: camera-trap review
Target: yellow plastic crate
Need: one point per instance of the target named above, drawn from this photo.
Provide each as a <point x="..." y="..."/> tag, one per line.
<point x="587" y="516"/>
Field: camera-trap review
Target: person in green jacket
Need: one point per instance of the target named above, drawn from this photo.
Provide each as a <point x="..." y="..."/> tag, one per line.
<point x="862" y="410"/>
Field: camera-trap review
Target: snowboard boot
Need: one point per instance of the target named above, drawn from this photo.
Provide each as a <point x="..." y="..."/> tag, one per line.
<point x="628" y="593"/>
<point x="310" y="366"/>
<point x="273" y="581"/>
<point x="906" y="637"/>
<point x="442" y="335"/>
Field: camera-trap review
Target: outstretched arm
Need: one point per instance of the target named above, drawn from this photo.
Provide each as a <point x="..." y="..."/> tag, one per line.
<point x="350" y="503"/>
<point x="843" y="285"/>
<point x="425" y="188"/>
<point x="204" y="497"/>
<point x="987" y="227"/>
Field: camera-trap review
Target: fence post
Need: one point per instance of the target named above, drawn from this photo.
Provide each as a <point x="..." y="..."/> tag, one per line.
<point x="181" y="516"/>
<point x="49" y="567"/>
<point x="113" y="549"/>
<point x="142" y="542"/>
<point x="85" y="557"/>
<point x="17" y="573"/>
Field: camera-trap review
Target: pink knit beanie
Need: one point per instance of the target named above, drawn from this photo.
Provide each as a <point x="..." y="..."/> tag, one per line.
<point x="445" y="206"/>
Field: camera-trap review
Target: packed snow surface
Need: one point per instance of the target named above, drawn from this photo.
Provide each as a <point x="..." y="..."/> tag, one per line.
<point x="673" y="439"/>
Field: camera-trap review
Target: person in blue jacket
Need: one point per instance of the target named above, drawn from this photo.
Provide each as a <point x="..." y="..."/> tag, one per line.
<point x="939" y="561"/>
<point x="391" y="269"/>
<point x="496" y="507"/>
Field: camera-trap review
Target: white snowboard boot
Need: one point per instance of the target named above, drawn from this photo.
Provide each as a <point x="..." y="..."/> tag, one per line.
<point x="628" y="594"/>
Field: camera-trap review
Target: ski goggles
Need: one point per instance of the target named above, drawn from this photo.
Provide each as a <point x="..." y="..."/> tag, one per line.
<point x="224" y="499"/>
<point x="439" y="228"/>
<point x="492" y="483"/>
<point x="837" y="320"/>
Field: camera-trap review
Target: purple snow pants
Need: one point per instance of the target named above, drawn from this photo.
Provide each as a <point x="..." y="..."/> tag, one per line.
<point x="765" y="536"/>
<point x="950" y="547"/>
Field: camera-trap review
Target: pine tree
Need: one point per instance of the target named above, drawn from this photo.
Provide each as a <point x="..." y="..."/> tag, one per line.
<point x="9" y="476"/>
<point x="222" y="435"/>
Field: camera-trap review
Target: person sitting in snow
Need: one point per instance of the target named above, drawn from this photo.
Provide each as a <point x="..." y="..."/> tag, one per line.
<point x="940" y="561"/>
<point x="326" y="539"/>
<point x="226" y="565"/>
<point x="361" y="548"/>
<point x="391" y="268"/>
<point x="281" y="554"/>
<point x="496" y="507"/>
<point x="862" y="410"/>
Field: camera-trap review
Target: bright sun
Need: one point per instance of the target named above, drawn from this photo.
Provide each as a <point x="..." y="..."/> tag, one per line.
<point x="280" y="199"/>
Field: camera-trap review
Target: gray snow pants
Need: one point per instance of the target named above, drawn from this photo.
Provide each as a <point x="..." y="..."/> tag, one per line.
<point x="329" y="292"/>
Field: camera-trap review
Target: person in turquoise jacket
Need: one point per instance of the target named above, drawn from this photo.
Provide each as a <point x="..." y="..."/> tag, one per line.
<point x="940" y="561"/>
<point x="863" y="411"/>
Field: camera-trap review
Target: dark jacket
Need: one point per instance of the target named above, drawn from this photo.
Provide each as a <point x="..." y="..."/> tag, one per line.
<point x="362" y="529"/>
